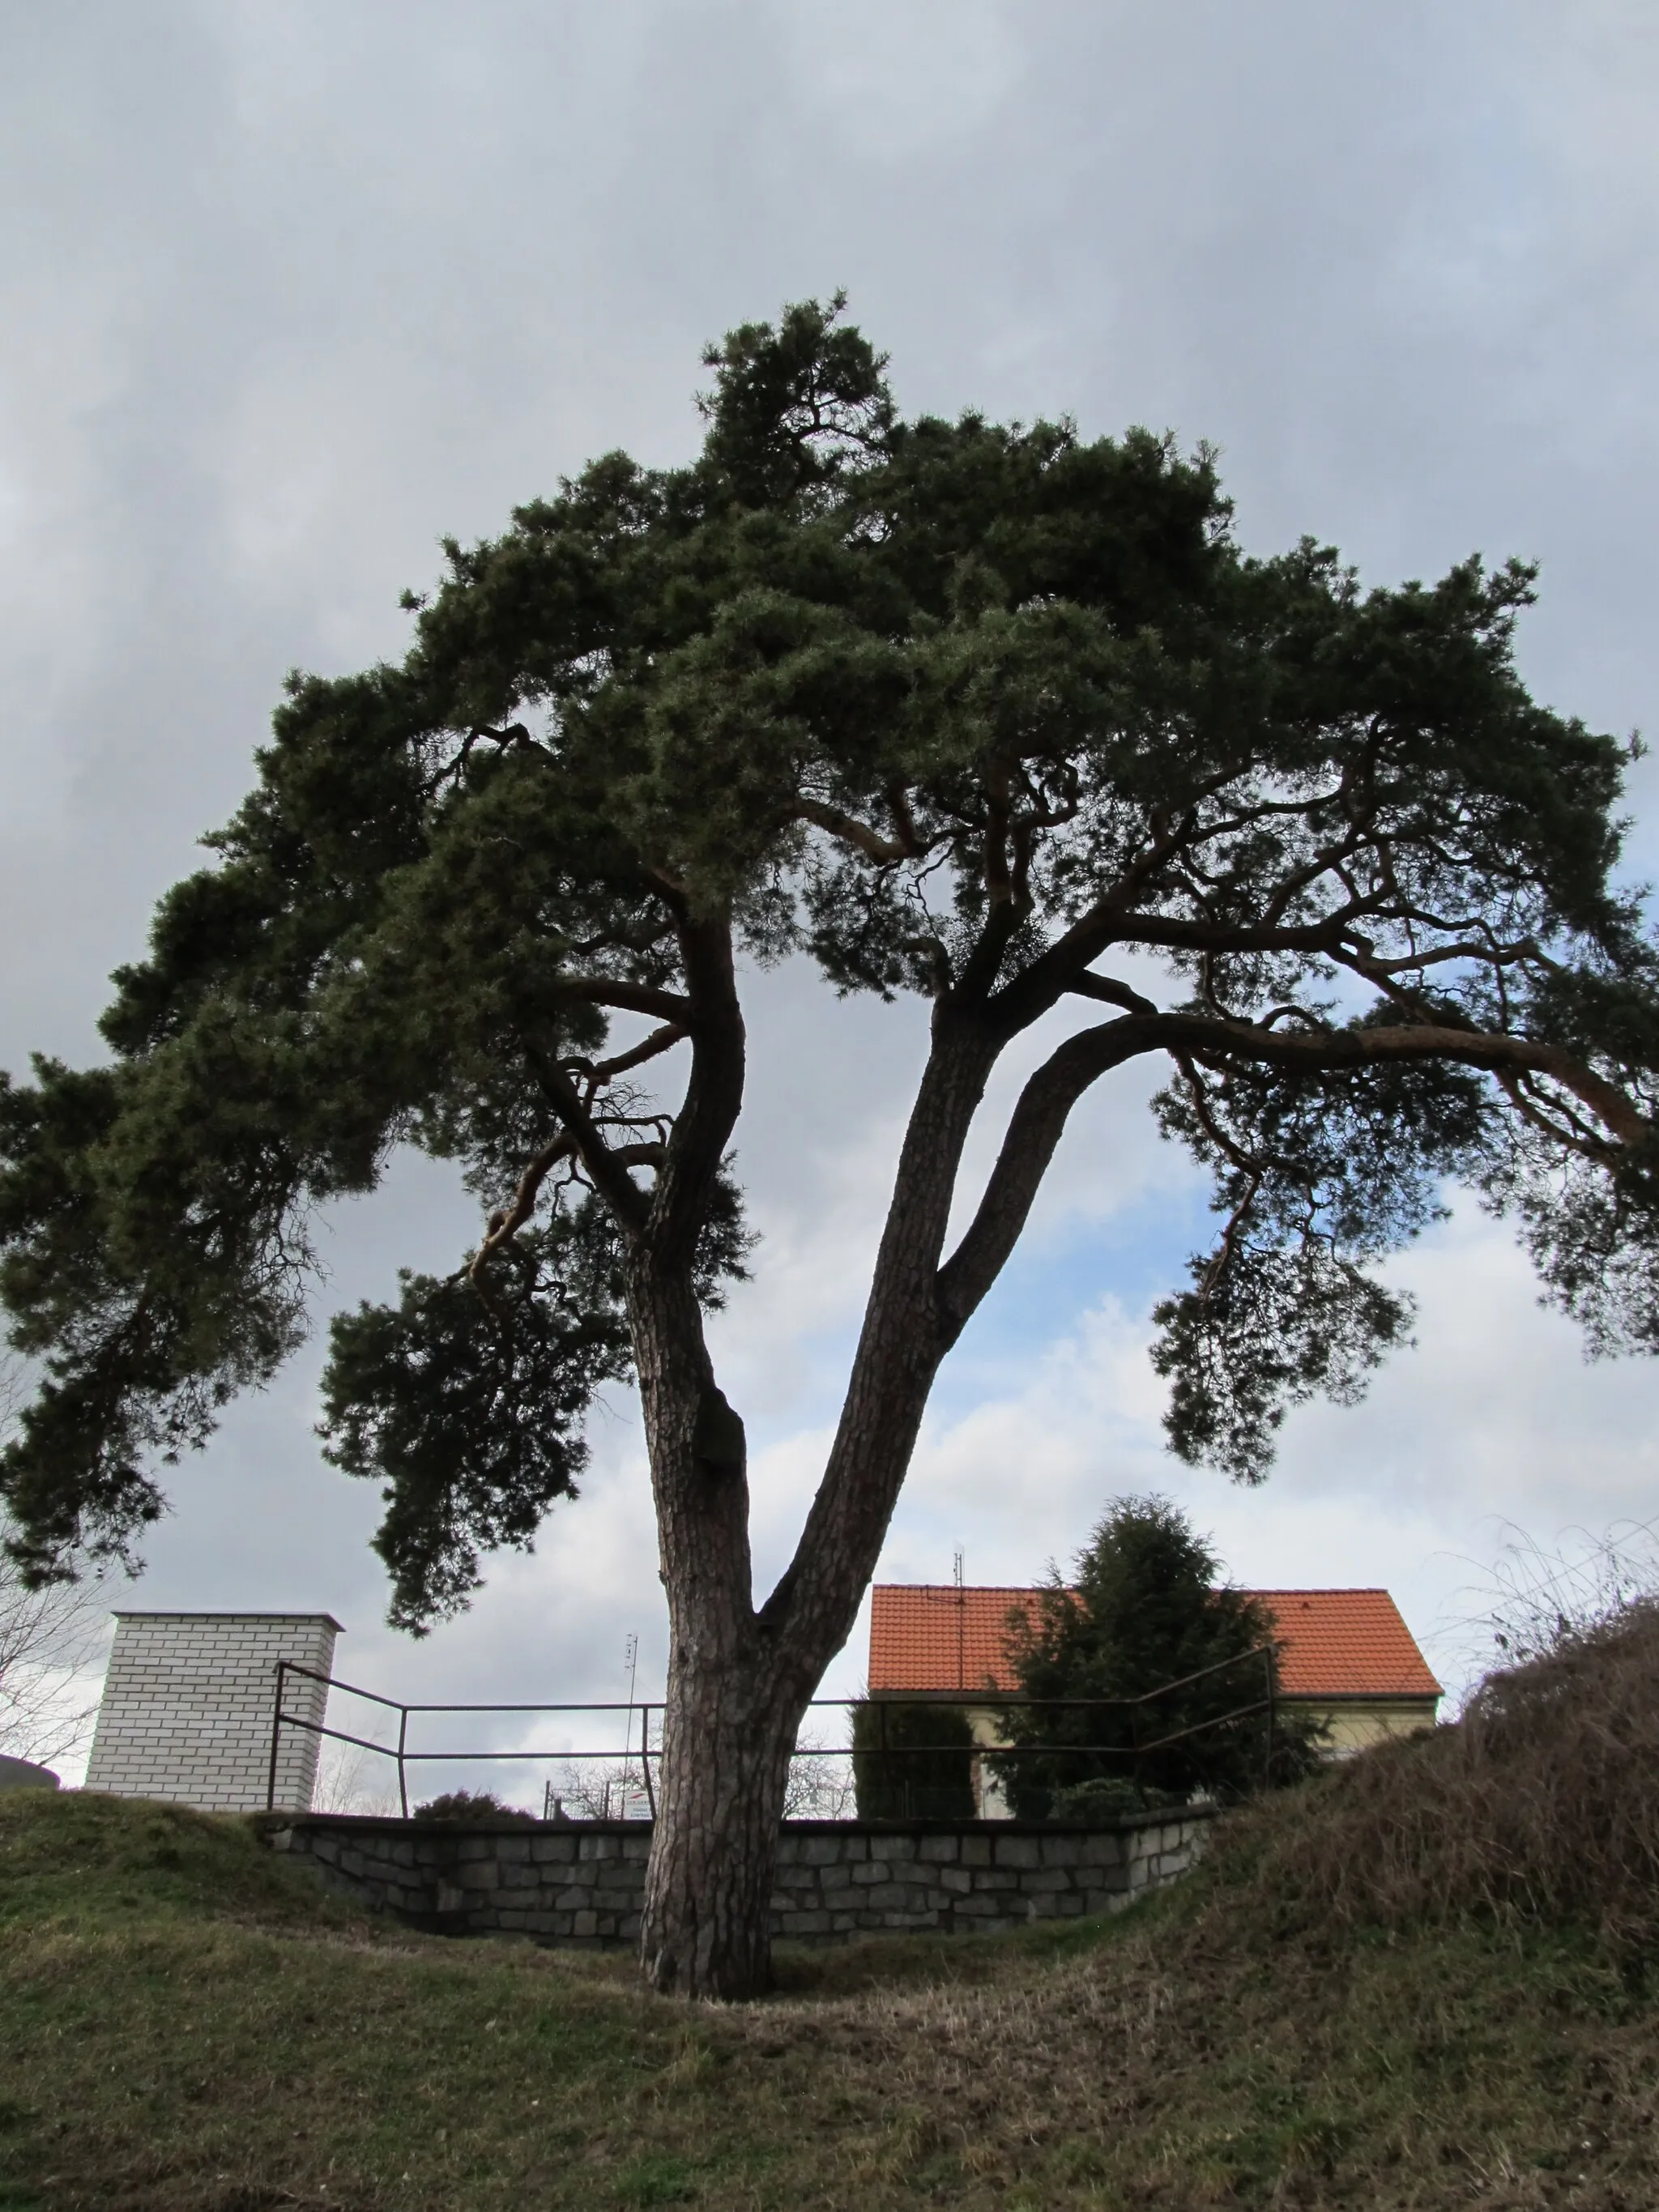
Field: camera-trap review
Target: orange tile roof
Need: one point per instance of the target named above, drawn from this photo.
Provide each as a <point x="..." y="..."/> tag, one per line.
<point x="1333" y="1643"/>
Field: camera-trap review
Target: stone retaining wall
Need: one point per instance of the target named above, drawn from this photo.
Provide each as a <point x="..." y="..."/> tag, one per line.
<point x="581" y="1883"/>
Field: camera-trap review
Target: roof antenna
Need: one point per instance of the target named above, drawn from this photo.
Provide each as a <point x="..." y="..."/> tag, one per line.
<point x="962" y="1615"/>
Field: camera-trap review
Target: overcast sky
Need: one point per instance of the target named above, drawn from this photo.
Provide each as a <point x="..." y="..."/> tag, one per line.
<point x="289" y="290"/>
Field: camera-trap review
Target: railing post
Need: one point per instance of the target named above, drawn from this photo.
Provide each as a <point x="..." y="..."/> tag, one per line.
<point x="403" y="1739"/>
<point x="645" y="1760"/>
<point x="275" y="1735"/>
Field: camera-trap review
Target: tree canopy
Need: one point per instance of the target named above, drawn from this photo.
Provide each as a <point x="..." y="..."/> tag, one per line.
<point x="957" y="709"/>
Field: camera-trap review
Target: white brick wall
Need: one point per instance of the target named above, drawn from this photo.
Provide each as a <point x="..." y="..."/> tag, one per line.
<point x="187" y="1707"/>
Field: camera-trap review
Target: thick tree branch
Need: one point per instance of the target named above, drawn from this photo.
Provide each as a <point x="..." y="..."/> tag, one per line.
<point x="714" y="1093"/>
<point x="597" y="1072"/>
<point x="504" y="1226"/>
<point x="1110" y="994"/>
<point x="607" y="1174"/>
<point x="629" y="998"/>
<point x="850" y="831"/>
<point x="1040" y="1116"/>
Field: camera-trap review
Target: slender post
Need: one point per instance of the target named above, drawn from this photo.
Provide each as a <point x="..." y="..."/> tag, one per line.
<point x="403" y="1739"/>
<point x="275" y="1737"/>
<point x="644" y="1759"/>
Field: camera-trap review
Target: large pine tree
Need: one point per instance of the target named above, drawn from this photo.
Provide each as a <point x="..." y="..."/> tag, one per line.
<point x="973" y="713"/>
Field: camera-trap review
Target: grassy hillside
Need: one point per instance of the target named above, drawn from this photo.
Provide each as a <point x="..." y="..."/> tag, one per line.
<point x="1354" y="2005"/>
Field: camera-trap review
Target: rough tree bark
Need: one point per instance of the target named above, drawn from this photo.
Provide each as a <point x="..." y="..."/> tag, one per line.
<point x="740" y="1679"/>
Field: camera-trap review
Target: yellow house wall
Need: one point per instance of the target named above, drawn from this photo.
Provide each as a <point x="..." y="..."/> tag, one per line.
<point x="1352" y="1724"/>
<point x="1355" y="1727"/>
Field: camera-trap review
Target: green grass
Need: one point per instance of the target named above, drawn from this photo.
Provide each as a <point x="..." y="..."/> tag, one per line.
<point x="188" y="2025"/>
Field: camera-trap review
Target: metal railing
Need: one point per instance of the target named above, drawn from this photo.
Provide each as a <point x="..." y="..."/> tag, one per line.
<point x="405" y="1756"/>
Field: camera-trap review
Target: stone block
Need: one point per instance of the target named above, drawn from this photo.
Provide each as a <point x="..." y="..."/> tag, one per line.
<point x="868" y="1871"/>
<point x="909" y="1921"/>
<point x="637" y="1849"/>
<point x="957" y="1879"/>
<point x="576" y="1899"/>
<point x="803" y="1923"/>
<point x="1062" y="1850"/>
<point x="1103" y="1848"/>
<point x="598" y="1847"/>
<point x="938" y="1850"/>
<point x="1017" y="1851"/>
<point x="552" y="1851"/>
<point x="892" y="1849"/>
<point x="818" y="1850"/>
<point x="585" y="1924"/>
<point x="979" y="1907"/>
<point x="512" y="1850"/>
<point x="1043" y="1882"/>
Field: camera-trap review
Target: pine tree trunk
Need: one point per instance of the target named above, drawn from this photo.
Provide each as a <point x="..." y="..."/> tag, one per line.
<point x="706" y="1930"/>
<point x="740" y="1680"/>
<point x="732" y="1712"/>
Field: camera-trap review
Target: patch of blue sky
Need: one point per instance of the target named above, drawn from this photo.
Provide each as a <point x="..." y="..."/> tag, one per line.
<point x="1134" y="1256"/>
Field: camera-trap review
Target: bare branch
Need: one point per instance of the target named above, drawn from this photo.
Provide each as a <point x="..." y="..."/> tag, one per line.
<point x="626" y="1201"/>
<point x="504" y="1226"/>
<point x="850" y="831"/>
<point x="1110" y="994"/>
<point x="599" y="1073"/>
<point x="629" y="998"/>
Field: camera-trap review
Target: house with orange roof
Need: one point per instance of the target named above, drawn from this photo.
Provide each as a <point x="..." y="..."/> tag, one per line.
<point x="1345" y="1656"/>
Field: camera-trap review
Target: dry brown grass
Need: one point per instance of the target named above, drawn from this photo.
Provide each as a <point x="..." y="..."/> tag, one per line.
<point x="1541" y="1807"/>
<point x="1421" y="1985"/>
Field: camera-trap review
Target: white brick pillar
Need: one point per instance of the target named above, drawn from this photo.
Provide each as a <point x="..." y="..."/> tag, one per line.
<point x="188" y="1702"/>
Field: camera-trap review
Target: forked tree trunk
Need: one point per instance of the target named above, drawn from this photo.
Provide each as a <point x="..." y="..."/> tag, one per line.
<point x="738" y="1680"/>
<point x="732" y="1712"/>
